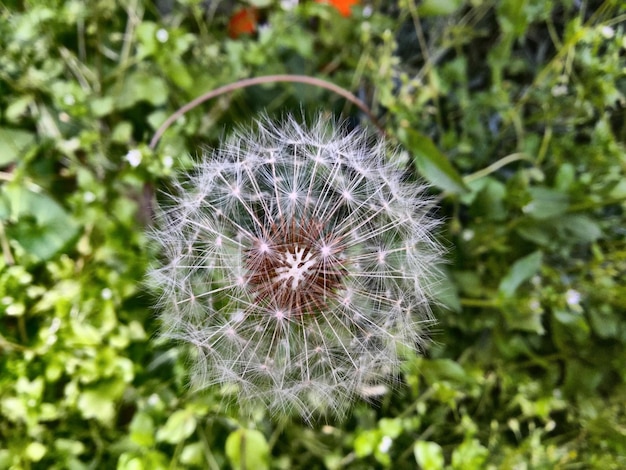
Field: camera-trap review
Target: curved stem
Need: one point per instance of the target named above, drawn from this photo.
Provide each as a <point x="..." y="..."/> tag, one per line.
<point x="318" y="82"/>
<point x="496" y="166"/>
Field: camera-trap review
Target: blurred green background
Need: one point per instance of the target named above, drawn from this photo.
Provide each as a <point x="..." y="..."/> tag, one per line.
<point x="513" y="110"/>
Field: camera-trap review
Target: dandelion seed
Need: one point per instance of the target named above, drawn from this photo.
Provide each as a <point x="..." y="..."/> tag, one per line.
<point x="297" y="262"/>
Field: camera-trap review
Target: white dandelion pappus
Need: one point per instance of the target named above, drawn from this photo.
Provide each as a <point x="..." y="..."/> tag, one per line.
<point x="297" y="263"/>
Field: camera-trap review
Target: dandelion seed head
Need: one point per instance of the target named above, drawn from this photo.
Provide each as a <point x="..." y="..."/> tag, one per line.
<point x="297" y="262"/>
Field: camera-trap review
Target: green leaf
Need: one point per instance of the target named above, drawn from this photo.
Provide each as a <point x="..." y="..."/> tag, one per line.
<point x="247" y="449"/>
<point x="537" y="232"/>
<point x="470" y="455"/>
<point x="366" y="442"/>
<point x="439" y="7"/>
<point x="431" y="162"/>
<point x="580" y="228"/>
<point x="146" y="38"/>
<point x="100" y="107"/>
<point x="122" y="132"/>
<point x="35" y="451"/>
<point x="565" y="177"/>
<point x="546" y="203"/>
<point x="176" y="70"/>
<point x="522" y="270"/>
<point x="390" y="427"/>
<point x="193" y="454"/>
<point x="6" y="458"/>
<point x="179" y="426"/>
<point x="520" y="315"/>
<point x="489" y="201"/>
<point x="142" y="86"/>
<point x="259" y="3"/>
<point x="13" y="143"/>
<point x="436" y="370"/>
<point x="428" y="455"/>
<point x="513" y="16"/>
<point x="605" y="323"/>
<point x="69" y="446"/>
<point x="142" y="430"/>
<point x="96" y="404"/>
<point x="447" y="294"/>
<point x="619" y="190"/>
<point x="18" y="107"/>
<point x="129" y="461"/>
<point x="39" y="224"/>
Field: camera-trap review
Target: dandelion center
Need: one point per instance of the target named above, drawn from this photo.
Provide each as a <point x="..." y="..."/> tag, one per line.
<point x="294" y="270"/>
<point x="297" y="265"/>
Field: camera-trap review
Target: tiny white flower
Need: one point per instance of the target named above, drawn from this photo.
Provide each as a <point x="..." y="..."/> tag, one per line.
<point x="15" y="310"/>
<point x="133" y="157"/>
<point x="162" y="35"/>
<point x="55" y="325"/>
<point x="168" y="161"/>
<point x="572" y="297"/>
<point x="607" y="32"/>
<point x="536" y="281"/>
<point x="154" y="400"/>
<point x="263" y="29"/>
<point x="385" y="444"/>
<point x="467" y="234"/>
<point x="535" y="306"/>
<point x="106" y="294"/>
<point x="89" y="197"/>
<point x="288" y="4"/>
<point x="559" y="90"/>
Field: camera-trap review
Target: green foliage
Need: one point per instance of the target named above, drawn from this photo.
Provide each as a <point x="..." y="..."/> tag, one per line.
<point x="513" y="110"/>
<point x="36" y="222"/>
<point x="247" y="448"/>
